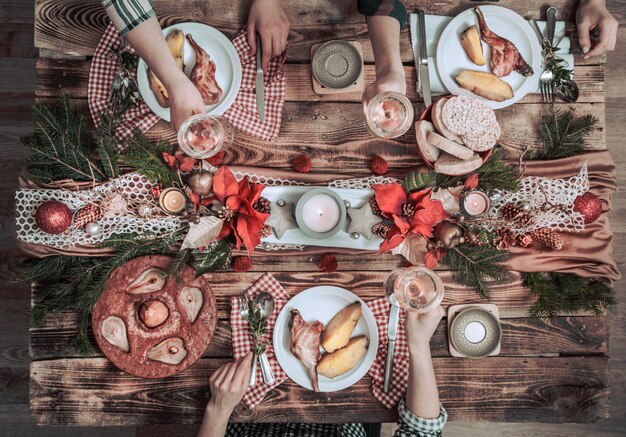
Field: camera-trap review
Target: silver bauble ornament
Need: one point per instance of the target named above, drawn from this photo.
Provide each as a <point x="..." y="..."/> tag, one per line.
<point x="200" y="182"/>
<point x="526" y="206"/>
<point x="93" y="229"/>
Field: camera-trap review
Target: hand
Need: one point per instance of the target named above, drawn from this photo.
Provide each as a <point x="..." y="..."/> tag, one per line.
<point x="420" y="327"/>
<point x="393" y="81"/>
<point x="228" y="385"/>
<point x="592" y="15"/>
<point x="268" y="18"/>
<point x="185" y="101"/>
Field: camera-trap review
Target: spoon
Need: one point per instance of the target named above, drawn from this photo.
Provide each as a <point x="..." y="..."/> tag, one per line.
<point x="265" y="302"/>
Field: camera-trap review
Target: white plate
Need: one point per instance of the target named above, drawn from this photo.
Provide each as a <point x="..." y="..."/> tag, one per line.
<point x="221" y="51"/>
<point x="451" y="58"/>
<point x="322" y="303"/>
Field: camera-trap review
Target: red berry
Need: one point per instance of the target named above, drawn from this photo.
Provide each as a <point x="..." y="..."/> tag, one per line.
<point x="242" y="263"/>
<point x="328" y="263"/>
<point x="589" y="205"/>
<point x="378" y="165"/>
<point x="302" y="163"/>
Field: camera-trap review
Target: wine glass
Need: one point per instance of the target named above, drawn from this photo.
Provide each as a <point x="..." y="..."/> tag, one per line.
<point x="389" y="114"/>
<point x="202" y="136"/>
<point x="416" y="288"/>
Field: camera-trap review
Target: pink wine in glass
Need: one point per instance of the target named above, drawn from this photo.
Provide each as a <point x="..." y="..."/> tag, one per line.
<point x="202" y="136"/>
<point x="415" y="288"/>
<point x="389" y="114"/>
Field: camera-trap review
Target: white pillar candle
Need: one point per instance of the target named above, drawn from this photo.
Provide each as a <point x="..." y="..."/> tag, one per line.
<point x="320" y="213"/>
<point x="476" y="203"/>
<point x="475" y="332"/>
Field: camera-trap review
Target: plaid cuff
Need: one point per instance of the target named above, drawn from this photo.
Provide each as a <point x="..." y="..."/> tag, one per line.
<point x="411" y="425"/>
<point x="128" y="14"/>
<point x="390" y="8"/>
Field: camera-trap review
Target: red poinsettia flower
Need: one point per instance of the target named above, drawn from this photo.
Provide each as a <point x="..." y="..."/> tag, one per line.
<point x="238" y="197"/>
<point x="179" y="161"/>
<point x="433" y="256"/>
<point x="416" y="213"/>
<point x="471" y="182"/>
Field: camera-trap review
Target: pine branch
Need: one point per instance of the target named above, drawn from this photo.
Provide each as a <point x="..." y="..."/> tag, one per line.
<point x="105" y="145"/>
<point x="147" y="158"/>
<point x="564" y="134"/>
<point x="492" y="175"/>
<point x="474" y="265"/>
<point x="182" y="259"/>
<point x="217" y="256"/>
<point x="567" y="293"/>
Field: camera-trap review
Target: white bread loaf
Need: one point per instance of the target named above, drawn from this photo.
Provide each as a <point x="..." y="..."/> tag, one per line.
<point x="451" y="147"/>
<point x="453" y="166"/>
<point x="422" y="129"/>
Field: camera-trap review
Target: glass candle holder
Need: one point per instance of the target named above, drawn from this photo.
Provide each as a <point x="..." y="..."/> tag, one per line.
<point x="202" y="136"/>
<point x="416" y="288"/>
<point x="389" y="114"/>
<point x="320" y="213"/>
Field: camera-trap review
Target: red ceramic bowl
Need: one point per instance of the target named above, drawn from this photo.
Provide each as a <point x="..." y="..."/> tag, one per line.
<point x="426" y="116"/>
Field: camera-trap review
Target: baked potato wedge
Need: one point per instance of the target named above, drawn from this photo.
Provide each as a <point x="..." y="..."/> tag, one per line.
<point x="344" y="359"/>
<point x="486" y="85"/>
<point x="339" y="330"/>
<point x="176" y="43"/>
<point x="473" y="45"/>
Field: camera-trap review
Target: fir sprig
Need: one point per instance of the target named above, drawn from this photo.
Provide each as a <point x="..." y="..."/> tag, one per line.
<point x="147" y="158"/>
<point x="492" y="175"/>
<point x="564" y="133"/>
<point x="257" y="326"/>
<point x="475" y="265"/>
<point x="567" y="293"/>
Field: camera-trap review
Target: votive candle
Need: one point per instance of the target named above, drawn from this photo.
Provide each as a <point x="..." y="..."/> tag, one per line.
<point x="320" y="213"/>
<point x="476" y="203"/>
<point x="172" y="200"/>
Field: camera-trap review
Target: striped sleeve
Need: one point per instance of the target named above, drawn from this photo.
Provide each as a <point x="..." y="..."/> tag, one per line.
<point x="391" y="8"/>
<point x="128" y="14"/>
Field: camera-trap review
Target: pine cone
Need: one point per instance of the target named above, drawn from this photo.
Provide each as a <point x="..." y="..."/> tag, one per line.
<point x="262" y="205"/>
<point x="266" y="231"/>
<point x="516" y="215"/>
<point x="376" y="209"/>
<point x="381" y="229"/>
<point x="225" y="213"/>
<point x="548" y="238"/>
<point x="87" y="214"/>
<point x="505" y="238"/>
<point x="408" y="210"/>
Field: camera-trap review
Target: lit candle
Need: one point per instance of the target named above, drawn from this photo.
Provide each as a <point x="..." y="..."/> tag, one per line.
<point x="172" y="200"/>
<point x="320" y="213"/>
<point x="475" y="332"/>
<point x="475" y="203"/>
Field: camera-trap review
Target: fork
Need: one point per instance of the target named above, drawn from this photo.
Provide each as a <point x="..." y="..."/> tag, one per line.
<point x="244" y="304"/>
<point x="546" y="79"/>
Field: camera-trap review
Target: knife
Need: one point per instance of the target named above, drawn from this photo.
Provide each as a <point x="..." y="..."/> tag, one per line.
<point x="423" y="59"/>
<point x="258" y="82"/>
<point x="392" y="329"/>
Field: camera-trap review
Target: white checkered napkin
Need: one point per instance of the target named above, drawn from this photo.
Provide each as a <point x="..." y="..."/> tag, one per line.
<point x="400" y="375"/>
<point x="242" y="340"/>
<point x="243" y="113"/>
<point x="103" y="70"/>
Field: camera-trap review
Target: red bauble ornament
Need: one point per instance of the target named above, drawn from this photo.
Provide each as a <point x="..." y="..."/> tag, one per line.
<point x="155" y="191"/>
<point x="589" y="205"/>
<point x="328" y="263"/>
<point x="378" y="165"/>
<point x="242" y="263"/>
<point x="53" y="217"/>
<point x="302" y="164"/>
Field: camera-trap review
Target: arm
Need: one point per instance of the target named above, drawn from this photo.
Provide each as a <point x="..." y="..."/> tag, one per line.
<point x="593" y="15"/>
<point x="135" y="19"/>
<point x="268" y="19"/>
<point x="421" y="413"/>
<point x="228" y="385"/>
<point x="384" y="30"/>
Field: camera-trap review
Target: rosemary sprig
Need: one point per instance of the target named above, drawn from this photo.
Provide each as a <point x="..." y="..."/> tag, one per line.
<point x="258" y="326"/>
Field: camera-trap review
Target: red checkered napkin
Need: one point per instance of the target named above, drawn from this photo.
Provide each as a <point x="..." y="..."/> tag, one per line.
<point x="400" y="375"/>
<point x="242" y="341"/>
<point x="243" y="113"/>
<point x="103" y="70"/>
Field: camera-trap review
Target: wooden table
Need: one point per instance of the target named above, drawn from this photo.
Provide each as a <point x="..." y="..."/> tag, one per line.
<point x="548" y="371"/>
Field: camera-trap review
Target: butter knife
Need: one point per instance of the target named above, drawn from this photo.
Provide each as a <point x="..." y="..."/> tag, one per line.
<point x="258" y="82"/>
<point x="423" y="59"/>
<point x="392" y="330"/>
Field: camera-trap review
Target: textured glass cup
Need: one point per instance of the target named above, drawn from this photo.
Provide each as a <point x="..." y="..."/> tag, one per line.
<point x="415" y="288"/>
<point x="202" y="136"/>
<point x="389" y="114"/>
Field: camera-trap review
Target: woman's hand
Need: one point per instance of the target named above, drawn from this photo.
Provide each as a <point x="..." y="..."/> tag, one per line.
<point x="185" y="101"/>
<point x="228" y="385"/>
<point x="268" y="19"/>
<point x="593" y="15"/>
<point x="420" y="327"/>
<point x="392" y="81"/>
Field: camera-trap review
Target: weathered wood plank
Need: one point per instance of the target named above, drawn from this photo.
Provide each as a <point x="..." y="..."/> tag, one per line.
<point x="75" y="27"/>
<point x="522" y="336"/>
<point x="55" y="77"/>
<point x="90" y="391"/>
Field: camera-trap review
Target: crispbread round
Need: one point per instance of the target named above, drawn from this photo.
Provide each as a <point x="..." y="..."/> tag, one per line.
<point x="464" y="115"/>
<point x="479" y="143"/>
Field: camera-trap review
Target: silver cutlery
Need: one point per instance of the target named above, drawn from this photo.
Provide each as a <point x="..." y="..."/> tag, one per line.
<point x="392" y="330"/>
<point x="424" y="77"/>
<point x="258" y="82"/>
<point x="244" y="304"/>
<point x="265" y="303"/>
<point x="546" y="79"/>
